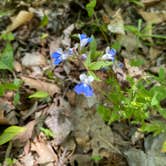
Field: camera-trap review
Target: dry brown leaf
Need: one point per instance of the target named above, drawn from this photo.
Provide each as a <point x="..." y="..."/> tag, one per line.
<point x="149" y="2"/>
<point x="154" y="53"/>
<point x="58" y="121"/>
<point x="55" y="44"/>
<point x="133" y="71"/>
<point x="22" y="18"/>
<point x="27" y="160"/>
<point x="116" y="25"/>
<point x="33" y="59"/>
<point x="50" y="88"/>
<point x="152" y="17"/>
<point x="3" y="120"/>
<point x="6" y="105"/>
<point x="67" y="32"/>
<point x="44" y="150"/>
<point x="17" y="66"/>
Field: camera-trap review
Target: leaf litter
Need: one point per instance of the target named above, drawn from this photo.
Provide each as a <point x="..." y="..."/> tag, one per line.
<point x="79" y="133"/>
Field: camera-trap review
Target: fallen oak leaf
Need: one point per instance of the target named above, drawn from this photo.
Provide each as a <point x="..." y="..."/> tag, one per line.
<point x="22" y="18"/>
<point x="50" y="88"/>
<point x="152" y="17"/>
<point x="44" y="151"/>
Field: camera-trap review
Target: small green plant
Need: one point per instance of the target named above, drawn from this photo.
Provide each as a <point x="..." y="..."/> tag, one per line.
<point x="10" y="133"/>
<point x="140" y="32"/>
<point x="139" y="104"/>
<point x="47" y="132"/>
<point x="96" y="159"/>
<point x="10" y="161"/>
<point x="5" y="86"/>
<point x="137" y="2"/>
<point x="39" y="95"/>
<point x="6" y="56"/>
<point x="90" y="7"/>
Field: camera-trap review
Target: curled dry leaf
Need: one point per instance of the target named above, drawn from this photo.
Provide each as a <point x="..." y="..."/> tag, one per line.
<point x="44" y="151"/>
<point x="22" y="18"/>
<point x="149" y="2"/>
<point x="153" y="17"/>
<point x="39" y="85"/>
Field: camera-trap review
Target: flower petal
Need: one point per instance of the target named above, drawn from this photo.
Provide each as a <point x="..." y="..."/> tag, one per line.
<point x="110" y="54"/>
<point x="82" y="36"/>
<point x="112" y="51"/>
<point x="55" y="55"/>
<point x="84" y="89"/>
<point x="88" y="91"/>
<point x="57" y="61"/>
<point x="84" y="42"/>
<point x="83" y="77"/>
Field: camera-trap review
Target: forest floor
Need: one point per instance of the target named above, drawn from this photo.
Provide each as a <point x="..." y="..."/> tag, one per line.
<point x="43" y="121"/>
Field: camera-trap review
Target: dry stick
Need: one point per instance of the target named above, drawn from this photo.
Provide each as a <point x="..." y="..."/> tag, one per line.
<point x="31" y="111"/>
<point x="7" y="154"/>
<point x="62" y="158"/>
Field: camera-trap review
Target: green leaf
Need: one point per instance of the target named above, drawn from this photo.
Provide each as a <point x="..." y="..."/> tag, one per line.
<point x="163" y="149"/>
<point x="93" y="46"/>
<point x="7" y="36"/>
<point x="10" y="133"/>
<point x="6" y="58"/>
<point x="88" y="60"/>
<point x="96" y="159"/>
<point x="2" y="90"/>
<point x="16" y="99"/>
<point x="98" y="65"/>
<point x="137" y="62"/>
<point x="10" y="161"/>
<point x="104" y="112"/>
<point x="156" y="127"/>
<point x="162" y="75"/>
<point x="39" y="94"/>
<point x="154" y="100"/>
<point x="90" y="7"/>
<point x="137" y="2"/>
<point x="116" y="45"/>
<point x="132" y="29"/>
<point x="44" y="21"/>
<point x="47" y="132"/>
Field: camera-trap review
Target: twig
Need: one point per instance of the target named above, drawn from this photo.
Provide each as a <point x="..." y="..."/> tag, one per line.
<point x="7" y="154"/>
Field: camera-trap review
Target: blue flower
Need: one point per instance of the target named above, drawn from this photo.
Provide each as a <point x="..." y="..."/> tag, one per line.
<point x="60" y="56"/>
<point x="84" y="40"/>
<point x="84" y="87"/>
<point x="110" y="54"/>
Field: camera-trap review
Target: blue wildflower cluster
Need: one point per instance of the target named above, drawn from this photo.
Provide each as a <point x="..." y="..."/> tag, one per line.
<point x="84" y="86"/>
<point x="60" y="56"/>
<point x="109" y="54"/>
